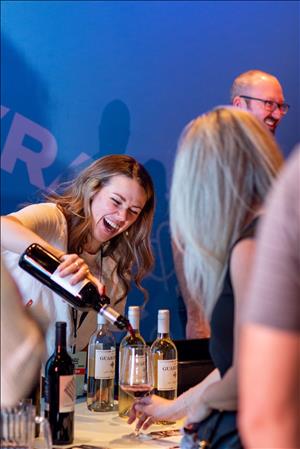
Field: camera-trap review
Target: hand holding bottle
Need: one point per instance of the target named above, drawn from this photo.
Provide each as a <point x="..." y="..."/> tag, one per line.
<point x="74" y="266"/>
<point x="85" y="296"/>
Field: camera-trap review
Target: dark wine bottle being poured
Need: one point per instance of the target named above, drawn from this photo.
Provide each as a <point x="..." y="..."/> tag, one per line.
<point x="84" y="296"/>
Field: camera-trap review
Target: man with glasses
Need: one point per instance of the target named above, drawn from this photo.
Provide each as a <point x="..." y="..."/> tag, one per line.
<point x="260" y="93"/>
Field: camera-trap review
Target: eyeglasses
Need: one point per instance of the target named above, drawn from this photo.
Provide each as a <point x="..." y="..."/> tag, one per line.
<point x="270" y="105"/>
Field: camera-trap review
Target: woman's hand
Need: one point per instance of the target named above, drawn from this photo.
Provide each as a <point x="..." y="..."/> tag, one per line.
<point x="150" y="409"/>
<point x="74" y="265"/>
<point x="101" y="287"/>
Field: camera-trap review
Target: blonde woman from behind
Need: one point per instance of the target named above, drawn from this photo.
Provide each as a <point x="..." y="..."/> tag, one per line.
<point x="225" y="165"/>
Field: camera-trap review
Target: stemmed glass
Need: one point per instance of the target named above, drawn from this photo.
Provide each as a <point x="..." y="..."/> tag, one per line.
<point x="136" y="374"/>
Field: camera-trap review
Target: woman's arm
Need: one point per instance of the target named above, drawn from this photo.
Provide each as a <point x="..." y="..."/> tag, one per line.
<point x="154" y="408"/>
<point x="197" y="325"/>
<point x="16" y="237"/>
<point x="222" y="395"/>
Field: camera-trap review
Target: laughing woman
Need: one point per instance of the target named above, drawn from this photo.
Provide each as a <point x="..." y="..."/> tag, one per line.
<point x="98" y="227"/>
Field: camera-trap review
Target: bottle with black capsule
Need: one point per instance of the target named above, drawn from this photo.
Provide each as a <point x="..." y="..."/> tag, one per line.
<point x="60" y="390"/>
<point x="84" y="296"/>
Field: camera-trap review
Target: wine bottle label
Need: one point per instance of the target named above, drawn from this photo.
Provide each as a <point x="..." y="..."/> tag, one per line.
<point x="65" y="282"/>
<point x="166" y="374"/>
<point x="67" y="393"/>
<point x="105" y="361"/>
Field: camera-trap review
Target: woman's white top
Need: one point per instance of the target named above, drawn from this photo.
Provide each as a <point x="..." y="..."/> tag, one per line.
<point x="46" y="220"/>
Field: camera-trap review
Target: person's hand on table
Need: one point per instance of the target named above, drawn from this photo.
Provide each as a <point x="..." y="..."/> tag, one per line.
<point x="150" y="409"/>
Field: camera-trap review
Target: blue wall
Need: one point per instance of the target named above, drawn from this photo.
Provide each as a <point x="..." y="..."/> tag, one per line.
<point x="81" y="79"/>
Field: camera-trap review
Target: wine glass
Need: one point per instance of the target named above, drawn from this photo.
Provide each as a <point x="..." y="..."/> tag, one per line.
<point x="17" y="428"/>
<point x="136" y="373"/>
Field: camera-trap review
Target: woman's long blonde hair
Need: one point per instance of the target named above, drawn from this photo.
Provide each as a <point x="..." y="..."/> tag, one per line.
<point x="225" y="164"/>
<point x="130" y="250"/>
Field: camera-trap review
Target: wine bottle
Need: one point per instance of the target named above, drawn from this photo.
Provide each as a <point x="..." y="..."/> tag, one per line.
<point x="60" y="390"/>
<point x="164" y="355"/>
<point x="84" y="296"/>
<point x="124" y="399"/>
<point x="101" y="368"/>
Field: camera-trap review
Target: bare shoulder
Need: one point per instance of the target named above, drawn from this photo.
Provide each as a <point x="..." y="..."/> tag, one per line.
<point x="241" y="264"/>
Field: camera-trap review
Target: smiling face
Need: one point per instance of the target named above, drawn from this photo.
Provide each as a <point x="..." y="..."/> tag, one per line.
<point x="116" y="207"/>
<point x="266" y="87"/>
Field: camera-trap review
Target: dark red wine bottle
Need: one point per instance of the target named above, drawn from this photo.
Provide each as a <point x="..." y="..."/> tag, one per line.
<point x="60" y="390"/>
<point x="84" y="296"/>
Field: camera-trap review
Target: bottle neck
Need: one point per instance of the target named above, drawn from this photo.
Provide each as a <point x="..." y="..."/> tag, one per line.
<point x="136" y="332"/>
<point x="134" y="320"/>
<point x="161" y="335"/>
<point x="114" y="317"/>
<point x="60" y="340"/>
<point x="163" y="327"/>
<point x="101" y="327"/>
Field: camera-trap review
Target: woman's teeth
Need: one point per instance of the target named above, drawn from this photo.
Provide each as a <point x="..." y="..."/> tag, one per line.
<point x="113" y="225"/>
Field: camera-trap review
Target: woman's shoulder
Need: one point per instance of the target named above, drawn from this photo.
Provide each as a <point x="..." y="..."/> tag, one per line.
<point x="247" y="232"/>
<point x="46" y="219"/>
<point x="39" y="209"/>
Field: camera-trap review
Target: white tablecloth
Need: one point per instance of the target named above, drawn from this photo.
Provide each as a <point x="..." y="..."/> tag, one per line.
<point x="109" y="431"/>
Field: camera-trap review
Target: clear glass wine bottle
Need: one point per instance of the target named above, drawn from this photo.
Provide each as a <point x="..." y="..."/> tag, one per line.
<point x="125" y="401"/>
<point x="165" y="358"/>
<point x="101" y="368"/>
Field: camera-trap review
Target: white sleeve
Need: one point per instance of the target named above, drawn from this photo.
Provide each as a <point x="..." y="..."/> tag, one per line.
<point x="46" y="220"/>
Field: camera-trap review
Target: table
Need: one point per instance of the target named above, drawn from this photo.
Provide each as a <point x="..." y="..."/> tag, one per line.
<point x="109" y="431"/>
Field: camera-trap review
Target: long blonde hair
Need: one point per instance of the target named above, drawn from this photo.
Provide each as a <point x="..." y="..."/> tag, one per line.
<point x="130" y="250"/>
<point x="226" y="162"/>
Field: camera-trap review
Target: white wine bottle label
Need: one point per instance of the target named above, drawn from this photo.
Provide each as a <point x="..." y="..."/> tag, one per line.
<point x="166" y="374"/>
<point x="105" y="361"/>
<point x="65" y="282"/>
<point x="67" y="393"/>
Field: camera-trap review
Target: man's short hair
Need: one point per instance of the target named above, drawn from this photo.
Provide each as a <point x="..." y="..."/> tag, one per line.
<point x="243" y="81"/>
